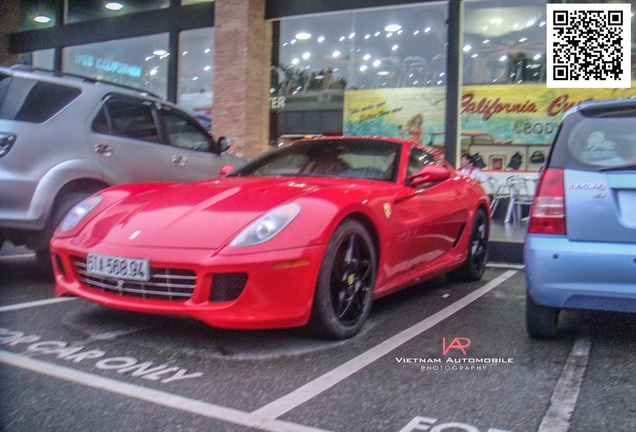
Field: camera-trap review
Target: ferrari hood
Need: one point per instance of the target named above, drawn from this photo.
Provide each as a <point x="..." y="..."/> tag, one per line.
<point x="192" y="215"/>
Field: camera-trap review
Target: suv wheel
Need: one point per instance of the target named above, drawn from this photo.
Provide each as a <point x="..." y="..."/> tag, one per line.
<point x="541" y="321"/>
<point x="63" y="205"/>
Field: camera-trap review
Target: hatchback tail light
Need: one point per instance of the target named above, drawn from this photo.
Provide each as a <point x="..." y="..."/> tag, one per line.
<point x="547" y="214"/>
<point x="6" y="142"/>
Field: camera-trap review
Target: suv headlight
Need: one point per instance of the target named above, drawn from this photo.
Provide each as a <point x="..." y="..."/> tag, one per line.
<point x="79" y="212"/>
<point x="267" y="226"/>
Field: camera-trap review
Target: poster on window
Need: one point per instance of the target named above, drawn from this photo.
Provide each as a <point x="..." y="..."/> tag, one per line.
<point x="497" y="114"/>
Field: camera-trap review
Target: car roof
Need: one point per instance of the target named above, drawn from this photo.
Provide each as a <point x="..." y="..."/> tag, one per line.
<point x="596" y="107"/>
<point x="84" y="82"/>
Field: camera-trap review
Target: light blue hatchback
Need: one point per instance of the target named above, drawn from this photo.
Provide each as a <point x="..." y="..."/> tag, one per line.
<point x="580" y="250"/>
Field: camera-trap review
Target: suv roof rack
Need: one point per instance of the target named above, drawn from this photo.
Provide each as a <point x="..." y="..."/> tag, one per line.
<point x="29" y="68"/>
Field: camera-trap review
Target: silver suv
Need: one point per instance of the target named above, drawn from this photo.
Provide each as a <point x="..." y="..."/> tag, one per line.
<point x="64" y="137"/>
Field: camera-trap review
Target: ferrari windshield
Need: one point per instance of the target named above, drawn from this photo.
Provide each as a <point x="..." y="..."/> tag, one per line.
<point x="342" y="158"/>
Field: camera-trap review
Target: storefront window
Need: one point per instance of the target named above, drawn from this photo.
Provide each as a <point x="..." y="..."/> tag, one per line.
<point x="379" y="48"/>
<point x="43" y="59"/>
<point x="196" y="71"/>
<point x="139" y="62"/>
<point x="82" y="10"/>
<point x="504" y="41"/>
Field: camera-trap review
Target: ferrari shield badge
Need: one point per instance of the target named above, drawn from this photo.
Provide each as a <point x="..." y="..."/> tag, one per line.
<point x="387" y="210"/>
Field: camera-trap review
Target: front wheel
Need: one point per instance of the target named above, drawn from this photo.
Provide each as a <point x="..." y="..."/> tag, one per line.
<point x="344" y="291"/>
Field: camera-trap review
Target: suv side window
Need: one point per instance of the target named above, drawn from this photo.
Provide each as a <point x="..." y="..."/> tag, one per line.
<point x="127" y="117"/>
<point x="33" y="101"/>
<point x="183" y="132"/>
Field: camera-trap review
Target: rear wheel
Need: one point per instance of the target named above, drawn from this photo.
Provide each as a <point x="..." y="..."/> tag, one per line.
<point x="541" y="321"/>
<point x="344" y="291"/>
<point x="477" y="256"/>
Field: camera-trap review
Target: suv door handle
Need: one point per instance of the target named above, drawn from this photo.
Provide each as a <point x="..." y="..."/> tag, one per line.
<point x="104" y="150"/>
<point x="179" y="160"/>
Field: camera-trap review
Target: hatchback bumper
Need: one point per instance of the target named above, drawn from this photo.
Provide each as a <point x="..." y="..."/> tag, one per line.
<point x="580" y="275"/>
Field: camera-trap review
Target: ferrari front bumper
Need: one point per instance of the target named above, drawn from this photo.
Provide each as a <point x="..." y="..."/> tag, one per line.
<point x="276" y="288"/>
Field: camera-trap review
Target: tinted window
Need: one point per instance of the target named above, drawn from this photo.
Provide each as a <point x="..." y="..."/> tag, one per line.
<point x="418" y="159"/>
<point x="603" y="142"/>
<point x="183" y="132"/>
<point x="33" y="101"/>
<point x="128" y="118"/>
<point x="360" y="159"/>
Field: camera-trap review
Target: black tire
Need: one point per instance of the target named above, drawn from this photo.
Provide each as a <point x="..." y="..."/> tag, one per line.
<point x="344" y="292"/>
<point x="477" y="256"/>
<point x="63" y="205"/>
<point x="541" y="321"/>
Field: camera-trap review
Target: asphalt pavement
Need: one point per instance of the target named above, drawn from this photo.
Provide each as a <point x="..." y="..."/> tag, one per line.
<point x="442" y="356"/>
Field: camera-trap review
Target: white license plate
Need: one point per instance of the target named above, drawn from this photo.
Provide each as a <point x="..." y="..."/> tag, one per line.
<point x="118" y="267"/>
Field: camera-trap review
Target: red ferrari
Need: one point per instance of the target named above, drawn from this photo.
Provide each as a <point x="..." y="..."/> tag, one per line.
<point x="305" y="235"/>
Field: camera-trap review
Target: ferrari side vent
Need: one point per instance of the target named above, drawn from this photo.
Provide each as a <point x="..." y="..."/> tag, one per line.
<point x="227" y="286"/>
<point x="164" y="284"/>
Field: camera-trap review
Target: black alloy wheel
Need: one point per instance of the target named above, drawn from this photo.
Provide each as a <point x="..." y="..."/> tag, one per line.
<point x="477" y="256"/>
<point x="344" y="292"/>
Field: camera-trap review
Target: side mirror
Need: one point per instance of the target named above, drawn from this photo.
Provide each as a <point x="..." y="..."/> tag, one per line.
<point x="224" y="144"/>
<point x="225" y="170"/>
<point x="429" y="174"/>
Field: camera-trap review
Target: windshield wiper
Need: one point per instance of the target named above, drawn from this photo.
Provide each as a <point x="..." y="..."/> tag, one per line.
<point x="626" y="167"/>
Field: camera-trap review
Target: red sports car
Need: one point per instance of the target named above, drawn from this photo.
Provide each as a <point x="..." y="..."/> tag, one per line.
<point x="306" y="234"/>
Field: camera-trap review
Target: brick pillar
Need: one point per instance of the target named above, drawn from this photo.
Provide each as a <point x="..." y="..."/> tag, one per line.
<point x="242" y="52"/>
<point x="10" y="17"/>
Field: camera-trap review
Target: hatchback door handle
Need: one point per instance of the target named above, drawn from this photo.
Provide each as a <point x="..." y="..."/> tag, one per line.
<point x="179" y="160"/>
<point x="104" y="150"/>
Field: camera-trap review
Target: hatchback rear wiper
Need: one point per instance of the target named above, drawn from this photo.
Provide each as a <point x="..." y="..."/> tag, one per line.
<point x="626" y="167"/>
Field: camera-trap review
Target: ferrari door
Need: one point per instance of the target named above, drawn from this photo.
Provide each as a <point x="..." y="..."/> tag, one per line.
<point x="433" y="215"/>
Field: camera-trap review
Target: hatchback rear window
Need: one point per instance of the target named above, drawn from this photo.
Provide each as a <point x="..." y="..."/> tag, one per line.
<point x="33" y="101"/>
<point x="604" y="142"/>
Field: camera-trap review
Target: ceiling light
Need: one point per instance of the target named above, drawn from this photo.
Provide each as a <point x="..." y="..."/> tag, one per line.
<point x="336" y="54"/>
<point x="321" y="39"/>
<point x="377" y="63"/>
<point x="303" y="36"/>
<point x="392" y="27"/>
<point x="114" y="6"/>
<point x="496" y="21"/>
<point x="42" y="19"/>
<point x="467" y="48"/>
<point x="306" y="55"/>
<point x="160" y="52"/>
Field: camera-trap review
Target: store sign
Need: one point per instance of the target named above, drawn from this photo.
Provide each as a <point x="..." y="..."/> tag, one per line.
<point x="518" y="113"/>
<point x="108" y="65"/>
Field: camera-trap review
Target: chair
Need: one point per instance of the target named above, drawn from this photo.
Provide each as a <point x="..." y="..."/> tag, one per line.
<point x="498" y="192"/>
<point x="521" y="194"/>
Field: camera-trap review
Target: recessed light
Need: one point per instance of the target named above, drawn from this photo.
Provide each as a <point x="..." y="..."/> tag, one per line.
<point x="392" y="27"/>
<point x="42" y="19"/>
<point x="114" y="6"/>
<point x="303" y="36"/>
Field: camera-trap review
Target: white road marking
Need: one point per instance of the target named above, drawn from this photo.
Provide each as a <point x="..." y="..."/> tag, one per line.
<point x="265" y="417"/>
<point x="36" y="303"/>
<point x="566" y="392"/>
<point x="314" y="388"/>
<point x="154" y="396"/>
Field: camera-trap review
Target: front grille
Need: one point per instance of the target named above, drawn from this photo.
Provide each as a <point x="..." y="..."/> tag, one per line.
<point x="164" y="284"/>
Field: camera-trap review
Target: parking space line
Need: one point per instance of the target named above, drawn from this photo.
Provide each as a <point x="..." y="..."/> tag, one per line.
<point x="312" y="389"/>
<point x="566" y="392"/>
<point x="36" y="303"/>
<point x="154" y="396"/>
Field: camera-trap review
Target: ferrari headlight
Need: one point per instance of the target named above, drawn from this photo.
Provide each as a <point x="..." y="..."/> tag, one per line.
<point x="267" y="226"/>
<point x="79" y="212"/>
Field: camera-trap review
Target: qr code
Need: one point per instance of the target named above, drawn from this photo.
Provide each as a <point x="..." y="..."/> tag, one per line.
<point x="588" y="45"/>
